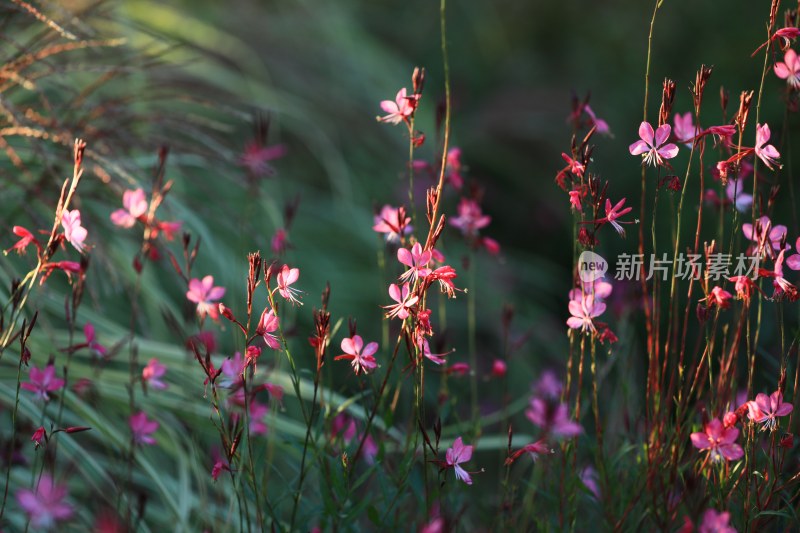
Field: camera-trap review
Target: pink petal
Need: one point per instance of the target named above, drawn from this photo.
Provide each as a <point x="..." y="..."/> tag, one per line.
<point x="793" y="262"/>
<point x="700" y="440"/>
<point x="662" y="134"/>
<point x="669" y="151"/>
<point x="646" y="133"/>
<point x="348" y="346"/>
<point x="370" y="349"/>
<point x="781" y="70"/>
<point x="638" y="148"/>
<point x="575" y="322"/>
<point x="405" y="257"/>
<point x="731" y="452"/>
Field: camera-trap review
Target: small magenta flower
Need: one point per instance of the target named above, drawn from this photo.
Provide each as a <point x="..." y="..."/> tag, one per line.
<point x="714" y="522"/>
<point x="499" y="368"/>
<point x="613" y="213"/>
<point x="257" y="413"/>
<point x="765" y="409"/>
<point x="399" y="110"/>
<point x="266" y="325"/>
<point x="425" y="348"/>
<point x="362" y="358"/>
<point x="589" y="478"/>
<point x="204" y="294"/>
<point x="720" y="442"/>
<point x="766" y="152"/>
<point x="73" y="231"/>
<point x="652" y="146"/>
<point x="599" y="123"/>
<point x="152" y="373"/>
<point x="280" y="242"/>
<point x="142" y="428"/>
<point x="553" y="418"/>
<point x="789" y="69"/>
<point x="256" y="157"/>
<point x="405" y="301"/>
<point x="43" y="381"/>
<point x="470" y="217"/>
<point x="135" y="205"/>
<point x="583" y="312"/>
<point x="535" y="449"/>
<point x="26" y="238"/>
<point x="782" y="285"/>
<point x="416" y="260"/>
<point x="575" y="199"/>
<point x="39" y="437"/>
<point x="575" y="167"/>
<point x="765" y="233"/>
<point x="719" y="297"/>
<point x="45" y="506"/>
<point x="393" y="222"/>
<point x="232" y="369"/>
<point x="456" y="455"/>
<point x="684" y="129"/>
<point x="91" y="341"/>
<point x="285" y="278"/>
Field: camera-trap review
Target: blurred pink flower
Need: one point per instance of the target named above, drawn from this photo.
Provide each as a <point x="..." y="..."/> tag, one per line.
<point x="45" y="506"/>
<point x="766" y="152"/>
<point x="26" y="238"/>
<point x="142" y="428"/>
<point x="152" y="374"/>
<point x="256" y="157"/>
<point x="714" y="522"/>
<point x="789" y="69"/>
<point x="499" y="368"/>
<point x="279" y="242"/>
<point x="653" y="146"/>
<point x="535" y="449"/>
<point x="453" y="168"/>
<point x="135" y="205"/>
<point x="589" y="478"/>
<point x="204" y="294"/>
<point x="232" y="369"/>
<point x="470" y="217"/>
<point x="583" y="312"/>
<point x="393" y="222"/>
<point x="257" y="413"/>
<point x="549" y="386"/>
<point x="43" y="381"/>
<point x="456" y="455"/>
<point x="599" y="123"/>
<point x="361" y="357"/>
<point x="39" y="437"/>
<point x="684" y="129"/>
<point x="720" y="442"/>
<point x="91" y="341"/>
<point x="399" y="110"/>
<point x="765" y="409"/>
<point x="73" y="231"/>
<point x="553" y="418"/>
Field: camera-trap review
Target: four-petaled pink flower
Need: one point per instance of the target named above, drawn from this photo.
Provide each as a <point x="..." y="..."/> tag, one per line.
<point x="73" y="231"/>
<point x="720" y="442"/>
<point x="613" y="213"/>
<point x="652" y="146"/>
<point x="285" y="278"/>
<point x="43" y="381"/>
<point x="583" y="311"/>
<point x="765" y="234"/>
<point x="714" y="522"/>
<point x="399" y="110"/>
<point x="266" y="325"/>
<point x="45" y="506"/>
<point x="684" y="129"/>
<point x="766" y="152"/>
<point x="470" y="217"/>
<point x="393" y="222"/>
<point x="765" y="409"/>
<point x="135" y="205"/>
<point x="405" y="301"/>
<point x="142" y="428"/>
<point x="203" y="293"/>
<point x="152" y="374"/>
<point x="362" y="357"/>
<point x="789" y="69"/>
<point x="456" y="455"/>
<point x="416" y="260"/>
<point x="553" y="418"/>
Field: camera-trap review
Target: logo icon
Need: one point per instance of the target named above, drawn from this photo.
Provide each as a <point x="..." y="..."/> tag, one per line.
<point x="591" y="267"/>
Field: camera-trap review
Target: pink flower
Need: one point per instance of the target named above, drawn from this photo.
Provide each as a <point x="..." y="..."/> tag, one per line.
<point x="719" y="297"/>
<point x="553" y="418"/>
<point x="789" y="69"/>
<point x="425" y="348"/>
<point x="405" y="301"/>
<point x="453" y="168"/>
<point x="575" y="199"/>
<point x="152" y="374"/>
<point x="26" y="238"/>
<point x="142" y="428"/>
<point x="43" y="381"/>
<point x="793" y="261"/>
<point x="576" y="167"/>
<point x="651" y="146"/>
<point x="135" y="205"/>
<point x="203" y="293"/>
<point x="362" y="358"/>
<point x="766" y="152"/>
<point x="416" y="261"/>
<point x="499" y="368"/>
<point x="782" y="285"/>
<point x="734" y="192"/>
<point x="589" y="479"/>
<point x="714" y="522"/>
<point x="613" y="213"/>
<point x="599" y="123"/>
<point x="45" y="506"/>
<point x="459" y="454"/>
<point x="684" y="129"/>
<point x="91" y="341"/>
<point x="765" y="409"/>
<point x="583" y="312"/>
<point x="459" y="369"/>
<point x="266" y="325"/>
<point x="256" y="157"/>
<point x="170" y="229"/>
<point x="401" y="109"/>
<point x="279" y="242"/>
<point x="765" y="233"/>
<point x="393" y="222"/>
<point x="219" y="467"/>
<point x="285" y="278"/>
<point x="535" y="449"/>
<point x="599" y="288"/>
<point x="232" y="368"/>
<point x="470" y="217"/>
<point x="73" y="231"/>
<point x="744" y="287"/>
<point x="720" y="442"/>
<point x="549" y="386"/>
<point x="39" y="437"/>
<point x="257" y="413"/>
